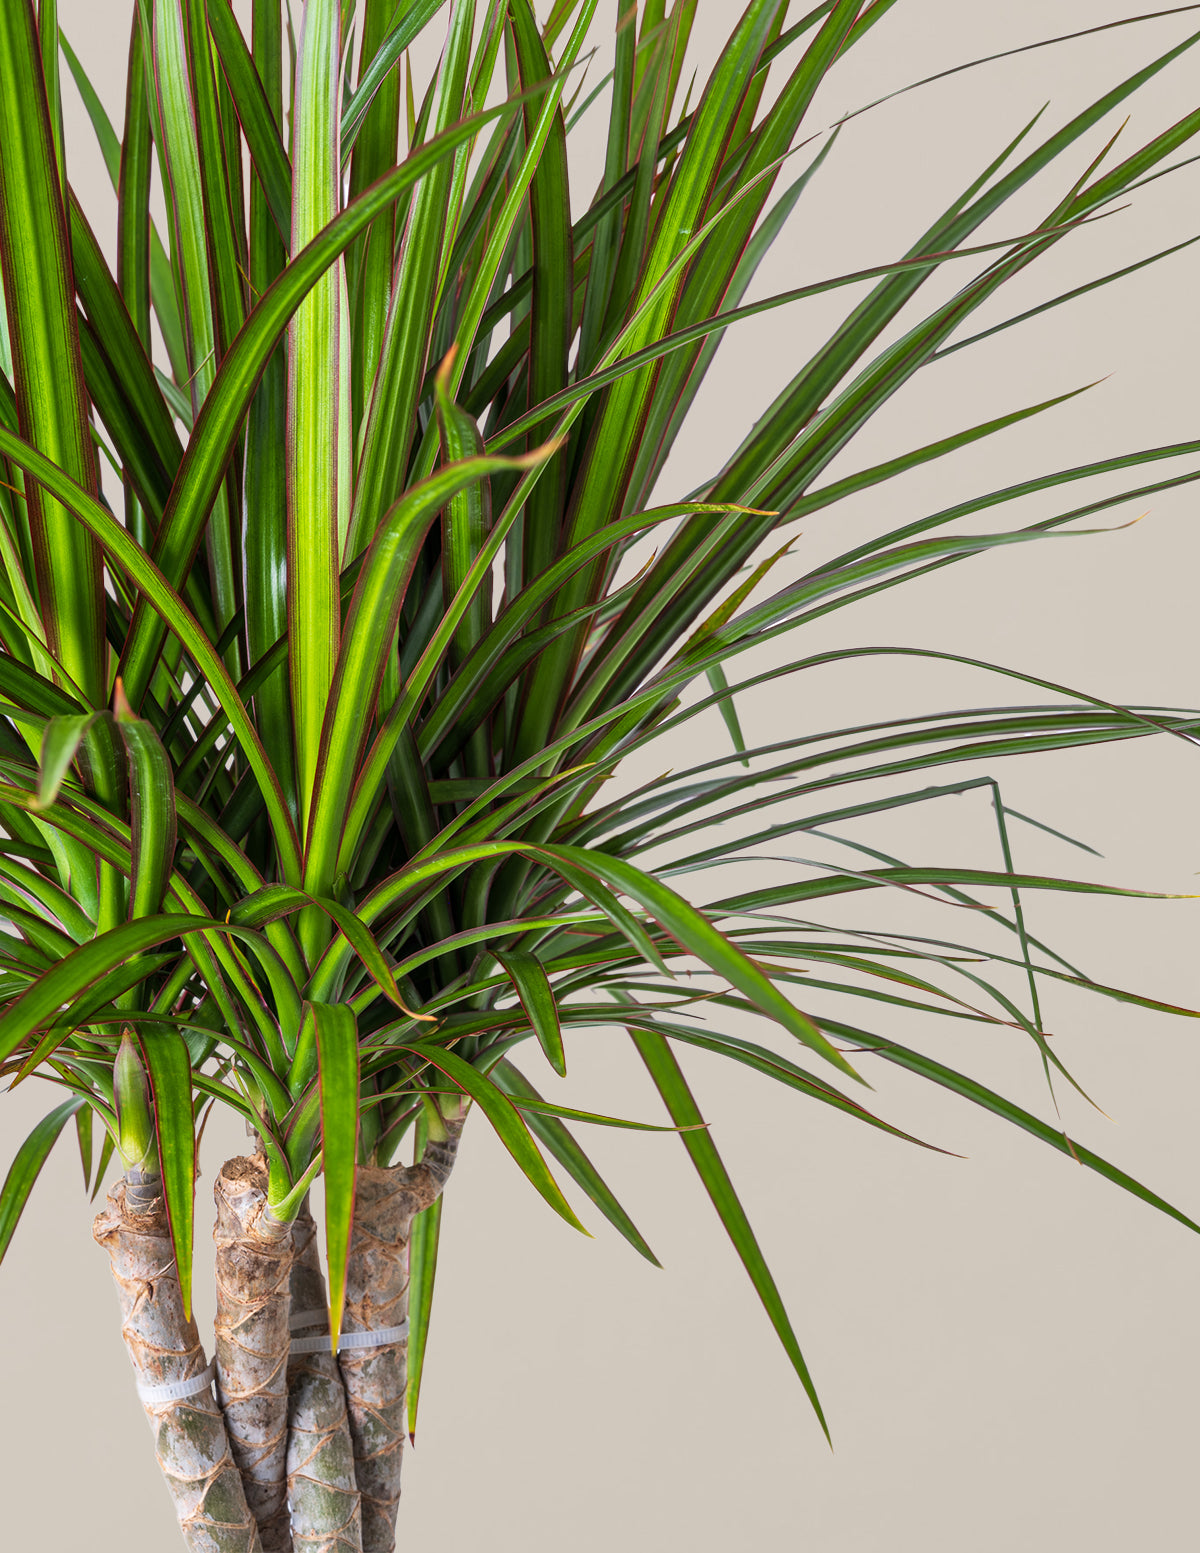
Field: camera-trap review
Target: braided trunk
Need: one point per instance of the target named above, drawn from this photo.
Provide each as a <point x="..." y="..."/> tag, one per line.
<point x="385" y="1204"/>
<point x="322" y="1492"/>
<point x="254" y="1260"/>
<point x="190" y="1438"/>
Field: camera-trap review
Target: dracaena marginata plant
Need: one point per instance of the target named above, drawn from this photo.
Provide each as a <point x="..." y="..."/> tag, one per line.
<point x="333" y="592"/>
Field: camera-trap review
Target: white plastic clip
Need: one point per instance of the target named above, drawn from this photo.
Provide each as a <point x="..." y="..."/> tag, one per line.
<point x="299" y="1319"/>
<point x="178" y="1390"/>
<point x="373" y="1339"/>
<point x="320" y="1343"/>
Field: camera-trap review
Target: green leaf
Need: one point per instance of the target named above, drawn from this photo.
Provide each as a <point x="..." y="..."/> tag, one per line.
<point x="106" y="136"/>
<point x="47" y="368"/>
<point x="709" y="328"/>
<point x="532" y="986"/>
<point x="265" y="538"/>
<point x="187" y="138"/>
<point x="83" y="1133"/>
<point x="509" y="630"/>
<point x="114" y="152"/>
<point x="467" y="518"/>
<point x="551" y="326"/>
<point x="318" y="446"/>
<point x="152" y="810"/>
<point x="366" y="641"/>
<point x="926" y="1067"/>
<point x="612" y="447"/>
<point x="416" y="16"/>
<point x="553" y="1136"/>
<point x="225" y="406"/>
<point x="1042" y="43"/>
<point x="106" y="1153"/>
<point x="337" y="1064"/>
<point x="504" y="1117"/>
<point x="87" y="965"/>
<point x="423" y="1239"/>
<point x="588" y="881"/>
<point x="569" y="1113"/>
<point x="696" y="934"/>
<point x="169" y="1068"/>
<point x="371" y="262"/>
<point x="672" y="1086"/>
<point x="390" y="426"/>
<point x="255" y="115"/>
<point x="27" y="1166"/>
<point x="121" y="545"/>
<point x="120" y="377"/>
<point x="134" y="171"/>
<point x="771" y="1065"/>
<point x="60" y="745"/>
<point x="223" y="205"/>
<point x="133" y="1106"/>
<point x="841" y="881"/>
<point x="275" y="900"/>
<point x="720" y="688"/>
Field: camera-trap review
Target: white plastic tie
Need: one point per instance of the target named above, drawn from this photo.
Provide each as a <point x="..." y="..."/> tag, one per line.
<point x="299" y="1319"/>
<point x="320" y="1343"/>
<point x="377" y="1339"/>
<point x="179" y="1390"/>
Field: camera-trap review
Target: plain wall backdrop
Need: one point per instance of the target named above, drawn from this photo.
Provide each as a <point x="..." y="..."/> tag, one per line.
<point x="1005" y="1345"/>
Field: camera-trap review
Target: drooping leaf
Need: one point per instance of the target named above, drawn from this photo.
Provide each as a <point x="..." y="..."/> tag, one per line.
<point x="27" y="1166"/>
<point x="152" y="810"/>
<point x="671" y="1084"/>
<point x="337" y="1062"/>
<point x="532" y="986"/>
<point x="168" y="1067"/>
<point x="559" y="1142"/>
<point x="507" y="1121"/>
<point x="979" y="1093"/>
<point x="696" y="934"/>
<point x="423" y="1240"/>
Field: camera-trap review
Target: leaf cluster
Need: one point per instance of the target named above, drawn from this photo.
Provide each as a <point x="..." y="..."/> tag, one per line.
<point x="328" y="612"/>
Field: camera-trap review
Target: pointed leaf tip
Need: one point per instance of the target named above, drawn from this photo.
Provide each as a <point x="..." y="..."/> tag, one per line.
<point x="168" y="1065"/>
<point x="442" y="381"/>
<point x="122" y="710"/>
<point x="336" y="1033"/>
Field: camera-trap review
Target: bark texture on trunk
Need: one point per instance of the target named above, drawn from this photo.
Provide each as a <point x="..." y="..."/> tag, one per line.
<point x="322" y="1491"/>
<point x="386" y="1202"/>
<point x="253" y="1265"/>
<point x="190" y="1438"/>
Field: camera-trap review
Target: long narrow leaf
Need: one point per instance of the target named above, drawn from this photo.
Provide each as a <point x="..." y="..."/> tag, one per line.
<point x="559" y="1142"/>
<point x="27" y="1166"/>
<point x="337" y="1059"/>
<point x="532" y="986"/>
<point x="423" y="1239"/>
<point x="695" y="933"/>
<point x="47" y="368"/>
<point x="505" y="1118"/>
<point x="169" y="1069"/>
<point x="671" y="1084"/>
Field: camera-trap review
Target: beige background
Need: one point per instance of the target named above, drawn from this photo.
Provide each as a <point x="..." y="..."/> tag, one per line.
<point x="1005" y="1344"/>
